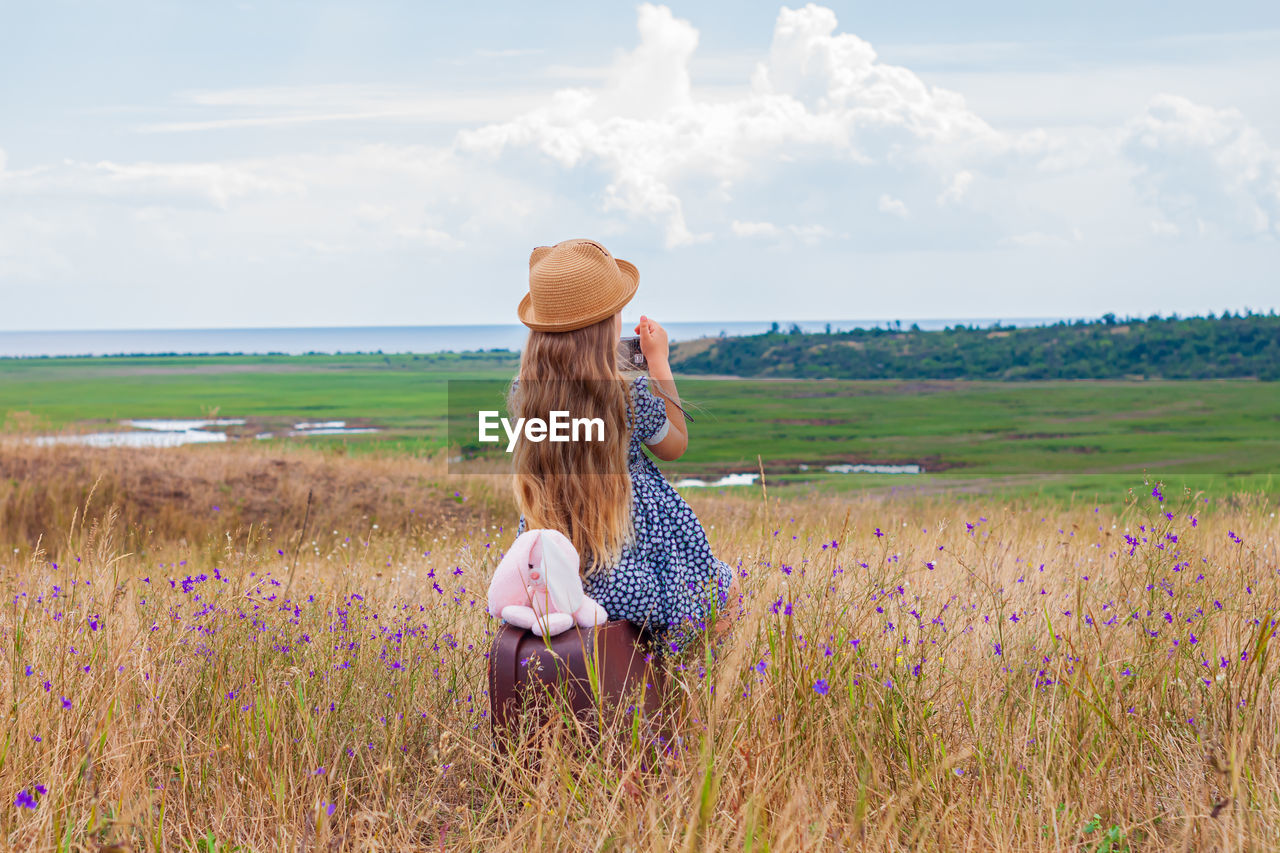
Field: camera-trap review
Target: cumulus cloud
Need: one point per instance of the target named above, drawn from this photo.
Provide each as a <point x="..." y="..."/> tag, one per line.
<point x="1207" y="170"/>
<point x="819" y="143"/>
<point x="654" y="78"/>
<point x="819" y="97"/>
<point x="838" y="77"/>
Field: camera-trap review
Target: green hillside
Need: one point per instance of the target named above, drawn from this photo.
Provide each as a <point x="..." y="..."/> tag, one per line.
<point x="1226" y="347"/>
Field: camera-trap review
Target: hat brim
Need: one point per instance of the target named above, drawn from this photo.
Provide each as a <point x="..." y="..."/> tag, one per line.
<point x="629" y="272"/>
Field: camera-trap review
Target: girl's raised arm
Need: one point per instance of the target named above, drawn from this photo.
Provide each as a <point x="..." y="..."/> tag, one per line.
<point x="657" y="352"/>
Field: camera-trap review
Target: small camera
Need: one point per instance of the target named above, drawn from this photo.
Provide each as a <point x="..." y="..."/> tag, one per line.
<point x="630" y="354"/>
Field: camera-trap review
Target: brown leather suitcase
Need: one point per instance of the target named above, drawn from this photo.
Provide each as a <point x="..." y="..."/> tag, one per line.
<point x="529" y="674"/>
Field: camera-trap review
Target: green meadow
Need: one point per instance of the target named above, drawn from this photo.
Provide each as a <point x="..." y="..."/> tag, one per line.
<point x="1059" y="438"/>
<point x="405" y="395"/>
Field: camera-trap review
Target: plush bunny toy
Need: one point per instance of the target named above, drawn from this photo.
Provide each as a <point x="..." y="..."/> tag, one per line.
<point x="537" y="586"/>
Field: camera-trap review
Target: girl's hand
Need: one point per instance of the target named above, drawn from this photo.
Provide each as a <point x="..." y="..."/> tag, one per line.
<point x="653" y="341"/>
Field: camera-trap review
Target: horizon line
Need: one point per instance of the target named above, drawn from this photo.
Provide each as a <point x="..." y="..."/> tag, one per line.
<point x="834" y="322"/>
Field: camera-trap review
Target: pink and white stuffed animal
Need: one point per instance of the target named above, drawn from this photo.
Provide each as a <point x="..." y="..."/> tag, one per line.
<point x="537" y="586"/>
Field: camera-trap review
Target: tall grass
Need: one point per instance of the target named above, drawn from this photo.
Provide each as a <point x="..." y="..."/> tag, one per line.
<point x="203" y="492"/>
<point x="896" y="676"/>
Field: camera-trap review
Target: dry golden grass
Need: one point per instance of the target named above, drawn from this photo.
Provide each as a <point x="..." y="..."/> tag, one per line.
<point x="203" y="491"/>
<point x="992" y="687"/>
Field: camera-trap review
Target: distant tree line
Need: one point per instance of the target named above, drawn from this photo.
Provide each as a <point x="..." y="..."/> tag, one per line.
<point x="1228" y="346"/>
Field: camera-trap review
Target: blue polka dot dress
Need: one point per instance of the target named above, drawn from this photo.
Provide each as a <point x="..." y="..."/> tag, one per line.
<point x="667" y="578"/>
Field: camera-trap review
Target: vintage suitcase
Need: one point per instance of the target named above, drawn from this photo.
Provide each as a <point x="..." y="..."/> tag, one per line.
<point x="529" y="674"/>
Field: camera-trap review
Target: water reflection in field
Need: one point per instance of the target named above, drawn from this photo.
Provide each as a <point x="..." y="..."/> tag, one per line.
<point x="329" y="428"/>
<point x="873" y="469"/>
<point x="743" y="479"/>
<point x="746" y="478"/>
<point x="148" y="433"/>
<point x="160" y="432"/>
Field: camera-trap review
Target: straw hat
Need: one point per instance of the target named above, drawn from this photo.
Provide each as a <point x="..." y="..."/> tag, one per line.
<point x="574" y="284"/>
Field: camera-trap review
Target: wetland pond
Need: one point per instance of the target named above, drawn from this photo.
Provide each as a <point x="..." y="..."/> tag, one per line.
<point x="177" y="432"/>
<point x="749" y="478"/>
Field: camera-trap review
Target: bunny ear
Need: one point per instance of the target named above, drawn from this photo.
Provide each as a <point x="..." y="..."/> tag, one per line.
<point x="508" y="584"/>
<point x="533" y="554"/>
<point x="523" y="547"/>
<point x="560" y="566"/>
<point x="537" y="255"/>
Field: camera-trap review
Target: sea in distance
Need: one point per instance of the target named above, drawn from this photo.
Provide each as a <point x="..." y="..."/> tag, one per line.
<point x="388" y="339"/>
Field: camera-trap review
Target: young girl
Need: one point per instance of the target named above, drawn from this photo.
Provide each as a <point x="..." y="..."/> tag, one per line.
<point x="645" y="557"/>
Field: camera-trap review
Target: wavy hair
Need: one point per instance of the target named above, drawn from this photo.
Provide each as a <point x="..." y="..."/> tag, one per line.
<point x="581" y="488"/>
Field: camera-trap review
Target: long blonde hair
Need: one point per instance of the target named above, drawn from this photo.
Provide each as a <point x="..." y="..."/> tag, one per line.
<point x="581" y="488"/>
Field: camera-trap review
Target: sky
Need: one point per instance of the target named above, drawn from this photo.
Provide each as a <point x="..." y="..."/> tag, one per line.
<point x="203" y="165"/>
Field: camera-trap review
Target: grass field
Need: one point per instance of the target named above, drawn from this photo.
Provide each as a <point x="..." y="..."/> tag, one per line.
<point x="191" y="659"/>
<point x="1057" y="439"/>
<point x="405" y="394"/>
<point x="266" y="644"/>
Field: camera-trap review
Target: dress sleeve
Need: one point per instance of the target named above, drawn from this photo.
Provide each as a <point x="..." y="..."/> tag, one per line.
<point x="651" y="423"/>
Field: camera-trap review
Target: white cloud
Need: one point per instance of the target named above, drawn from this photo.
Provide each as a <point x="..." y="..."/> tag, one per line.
<point x="373" y="199"/>
<point x="755" y="229"/>
<point x="433" y="237"/>
<point x="893" y="206"/>
<point x="809" y="235"/>
<point x="1207" y="170"/>
<point x="215" y="184"/>
<point x="839" y="76"/>
<point x="957" y="188"/>
<point x="653" y="79"/>
<point x="814" y="142"/>
<point x="819" y="100"/>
